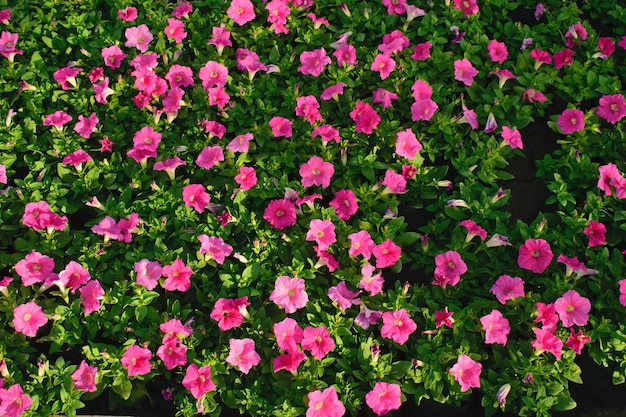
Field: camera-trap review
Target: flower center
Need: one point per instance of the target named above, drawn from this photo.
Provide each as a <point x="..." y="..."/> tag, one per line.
<point x="280" y="213"/>
<point x="36" y="267"/>
<point x="451" y="265"/>
<point x="535" y="253"/>
<point x="574" y="120"/>
<point x="27" y="317"/>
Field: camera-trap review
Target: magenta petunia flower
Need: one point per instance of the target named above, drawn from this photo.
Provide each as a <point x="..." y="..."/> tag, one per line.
<point x="395" y="7"/>
<point x="546" y="341"/>
<point x="473" y="230"/>
<point x="74" y="275"/>
<point x="148" y="273"/>
<point x="423" y="110"/>
<point x="327" y="133"/>
<point x="182" y="10"/>
<point x="466" y="372"/>
<point x="622" y="292"/>
<point x="85" y="377"/>
<point x="172" y="352"/>
<point x="127" y="14"/>
<point x="39" y="216"/>
<point x="246" y="178"/>
<point x="496" y="327"/>
<point x="288" y="334"/>
<point x="345" y="55"/>
<point x="218" y="97"/>
<point x="289" y="294"/>
<point x="213" y="74"/>
<point x="394" y="42"/>
<point x="464" y="71"/>
<point x="281" y="127"/>
<point x="213" y="128"/>
<point x="370" y="282"/>
<point x="573" y="308"/>
<point x="344" y="297"/>
<point x="325" y="404"/>
<point x="195" y="195"/>
<point x="241" y="11"/>
<point x="175" y="29"/>
<point x="215" y="247"/>
<point x="289" y="361"/>
<point x="533" y="95"/>
<point x="177" y="276"/>
<point x="322" y="232"/>
<point x="77" y="158"/>
<point x="278" y="11"/>
<point x="209" y="156"/>
<point x="563" y="58"/>
<point x="596" y="232"/>
<point x="66" y="76"/>
<point x="384" y="397"/>
<point x="345" y="204"/>
<point x="610" y="177"/>
<point x="28" y="318"/>
<point x="535" y="255"/>
<point x="361" y="244"/>
<point x="394" y="183"/>
<point x="86" y="125"/>
<point x="612" y="108"/>
<point x="507" y="288"/>
<point x="421" y="90"/>
<point x="242" y="354"/>
<point x="113" y="56"/>
<point x="386" y="253"/>
<point x="137" y="360"/>
<point x="577" y="341"/>
<point x="367" y="317"/>
<point x="546" y="315"/>
<point x="91" y="294"/>
<point x="421" y="52"/>
<point x="469" y="7"/>
<point x="198" y="380"/>
<point x="407" y="144"/>
<point x="449" y="267"/>
<point x="398" y="326"/>
<point x="179" y="76"/>
<point x="13" y="401"/>
<point x="241" y="143"/>
<point x="307" y="108"/>
<point x="35" y="268"/>
<point x="316" y="171"/>
<point x="497" y="51"/>
<point x="280" y="214"/>
<point x="443" y="318"/>
<point x="57" y="119"/>
<point x="365" y="117"/>
<point x="318" y="341"/>
<point x="571" y="120"/>
<point x="384" y="65"/>
<point x="169" y="166"/>
<point x="173" y="328"/>
<point x="512" y="137"/>
<point x="313" y="62"/>
<point x="332" y="92"/>
<point x="229" y="312"/>
<point x="138" y="37"/>
<point x="575" y="35"/>
<point x="384" y="97"/>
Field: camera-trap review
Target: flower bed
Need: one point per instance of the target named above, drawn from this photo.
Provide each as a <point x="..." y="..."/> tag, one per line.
<point x="293" y="208"/>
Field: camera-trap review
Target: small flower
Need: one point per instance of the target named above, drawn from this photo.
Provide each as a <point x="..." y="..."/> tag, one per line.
<point x="325" y="404"/>
<point x="384" y="397"/>
<point x="242" y="354"/>
<point x="573" y="308"/>
<point x="466" y="372"/>
<point x="198" y="380"/>
<point x="507" y="288"/>
<point x="596" y="232"/>
<point x="497" y="51"/>
<point x="398" y="326"/>
<point x="318" y="341"/>
<point x="496" y="327"/>
<point x="289" y="294"/>
<point x="449" y="267"/>
<point x="136" y="360"/>
<point x="547" y="341"/>
<point x="577" y="341"/>
<point x="443" y="318"/>
<point x="571" y="120"/>
<point x="464" y="71"/>
<point x="85" y="377"/>
<point x="241" y="11"/>
<point x="280" y="214"/>
<point x="344" y="298"/>
<point x="386" y="253"/>
<point x="535" y="255"/>
<point x="28" y="318"/>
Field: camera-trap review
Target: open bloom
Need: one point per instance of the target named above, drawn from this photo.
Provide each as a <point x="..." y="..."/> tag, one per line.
<point x="370" y="282"/>
<point x="288" y="334"/>
<point x="449" y="267"/>
<point x="443" y="318"/>
<point x="497" y="51"/>
<point x="177" y="276"/>
<point x="596" y="232"/>
<point x="361" y="244"/>
<point x="464" y="71"/>
<point x="506" y="288"/>
<point x="198" y="380"/>
<point x="496" y="327"/>
<point x="241" y="11"/>
<point x="344" y="297"/>
<point x="242" y="354"/>
<point x="322" y="232"/>
<point x="325" y="404"/>
<point x="513" y="137"/>
<point x="139" y="37"/>
<point x="13" y="401"/>
<point x="345" y="204"/>
<point x="466" y="371"/>
<point x="215" y="247"/>
<point x="280" y="214"/>
<point x="573" y="308"/>
<point x="398" y="326"/>
<point x="35" y="268"/>
<point x="195" y="195"/>
<point x="384" y="65"/>
<point x="407" y="144"/>
<point x="85" y="377"/>
<point x="316" y="171"/>
<point x="577" y="341"/>
<point x="384" y="397"/>
<point x="313" y="62"/>
<point x="318" y="341"/>
<point x="386" y="253"/>
<point x="289" y="293"/>
<point x="612" y="108"/>
<point x="136" y="360"/>
<point x="229" y="312"/>
<point x="28" y="318"/>
<point x="547" y="341"/>
<point x="571" y="120"/>
<point x="535" y="255"/>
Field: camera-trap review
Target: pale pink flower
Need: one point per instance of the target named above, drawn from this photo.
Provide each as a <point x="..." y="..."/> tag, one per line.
<point x="289" y="293"/>
<point x="246" y="178"/>
<point x="288" y="334"/>
<point x="313" y="62"/>
<point x="507" y="288"/>
<point x="316" y="171"/>
<point x="513" y="137"/>
<point x="535" y="255"/>
<point x="195" y="195"/>
<point x="344" y="297"/>
<point x="86" y="125"/>
<point x="85" y="377"/>
<point x="198" y="380"/>
<point x="367" y="317"/>
<point x="242" y="354"/>
<point x="449" y="267"/>
<point x="573" y="308"/>
<point x="384" y="397"/>
<point x="229" y="312"/>
<point x="571" y="120"/>
<point x="386" y="253"/>
<point x="577" y="341"/>
<point x="177" y="276"/>
<point x="91" y="294"/>
<point x="370" y="282"/>
<point x="384" y="65"/>
<point x="547" y="341"/>
<point x="241" y="11"/>
<point x="325" y="404"/>
<point x="464" y="71"/>
<point x="138" y="37"/>
<point x="497" y="51"/>
<point x="215" y="247"/>
<point x="496" y="327"/>
<point x="596" y="232"/>
<point x="398" y="326"/>
<point x="345" y="204"/>
<point x="361" y="244"/>
<point x="466" y="372"/>
<point x="28" y="318"/>
<point x="209" y="156"/>
<point x="281" y="127"/>
<point x="280" y="214"/>
<point x="407" y="144"/>
<point x="318" y="341"/>
<point x="148" y="273"/>
<point x="612" y="108"/>
<point x="179" y="76"/>
<point x="175" y="29"/>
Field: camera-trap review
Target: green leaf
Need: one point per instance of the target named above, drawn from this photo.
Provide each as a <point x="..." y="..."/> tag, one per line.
<point x="564" y="404"/>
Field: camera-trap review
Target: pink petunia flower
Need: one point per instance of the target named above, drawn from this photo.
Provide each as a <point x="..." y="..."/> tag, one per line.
<point x="136" y="360"/>
<point x="84" y="377"/>
<point x="289" y="294"/>
<point x="443" y="318"/>
<point x="398" y="326"/>
<point x="546" y="341"/>
<point x="606" y="46"/>
<point x="74" y="275"/>
<point x="86" y="125"/>
<point x="91" y="294"/>
<point x="198" y="380"/>
<point x="512" y="137"/>
<point x="577" y="341"/>
<point x="395" y="7"/>
<point x="596" y="232"/>
<point x="113" y="56"/>
<point x="345" y="204"/>
<point x="316" y="171"/>
<point x="127" y="14"/>
<point x="307" y="108"/>
<point x="421" y="52"/>
<point x="325" y="404"/>
<point x="384" y="65"/>
<point x="610" y="177"/>
<point x="546" y="315"/>
<point x="229" y="312"/>
<point x="39" y="216"/>
<point x="394" y="42"/>
<point x="394" y="183"/>
<point x="322" y="232"/>
<point x="241" y="11"/>
<point x="278" y="11"/>
<point x="473" y="230"/>
<point x="507" y="288"/>
<point x="407" y="144"/>
<point x="281" y="127"/>
<point x="169" y="166"/>
<point x="318" y="341"/>
<point x="213" y="74"/>
<point x="365" y="117"/>
<point x="423" y="110"/>
<point x="384" y="97"/>
<point x="214" y="247"/>
<point x="218" y="97"/>
<point x="503" y="76"/>
<point x="242" y="354"/>
<point x="241" y="143"/>
<point x="575" y="35"/>
<point x="449" y="267"/>
<point x="384" y="397"/>
<point x="421" y="90"/>
<point x="195" y="195"/>
<point x="344" y="297"/>
<point x="172" y="352"/>
<point x="175" y="29"/>
<point x="28" y="318"/>
<point x="345" y="55"/>
<point x="535" y="255"/>
<point x="332" y="92"/>
<point x="246" y="178"/>
<point x="13" y="401"/>
<point x="182" y="10"/>
<point x="497" y="51"/>
<point x="496" y="327"/>
<point x="213" y="128"/>
<point x="466" y="372"/>
<point x="209" y="156"/>
<point x="138" y="37"/>
<point x="288" y="334"/>
<point x="148" y="273"/>
<point x="386" y="253"/>
<point x="464" y="71"/>
<point x="57" y="119"/>
<point x="248" y="60"/>
<point x="622" y="292"/>
<point x="533" y="95"/>
<point x="367" y="317"/>
<point x="571" y="120"/>
<point x="280" y="214"/>
<point x="361" y="244"/>
<point x="177" y="276"/>
<point x="66" y="76"/>
<point x="313" y="62"/>
<point x="612" y="108"/>
<point x="370" y="282"/>
<point x="289" y="361"/>
<point x="563" y="58"/>
<point x="35" y="268"/>
<point x="573" y="308"/>
<point x="76" y="159"/>
<point x="179" y="76"/>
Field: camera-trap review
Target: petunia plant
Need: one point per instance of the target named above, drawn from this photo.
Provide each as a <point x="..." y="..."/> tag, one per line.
<point x="302" y="207"/>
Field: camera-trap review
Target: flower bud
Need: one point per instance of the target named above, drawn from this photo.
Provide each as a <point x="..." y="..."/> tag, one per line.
<point x="502" y="394"/>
